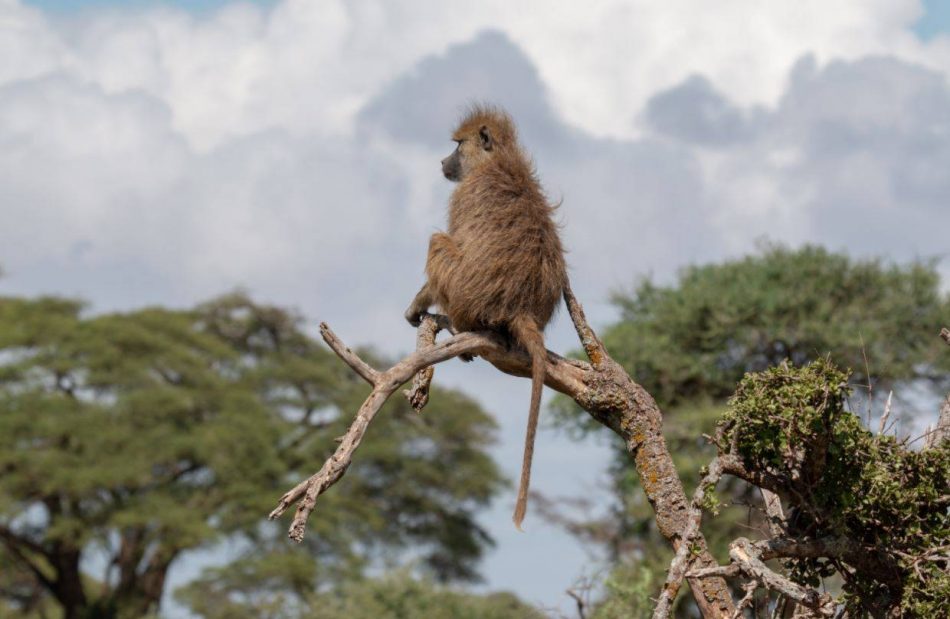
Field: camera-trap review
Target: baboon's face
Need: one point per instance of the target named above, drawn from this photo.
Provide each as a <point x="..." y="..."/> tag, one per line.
<point x="472" y="151"/>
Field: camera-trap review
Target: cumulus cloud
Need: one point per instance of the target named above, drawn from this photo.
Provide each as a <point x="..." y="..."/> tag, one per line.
<point x="854" y="156"/>
<point x="295" y="149"/>
<point x="311" y="66"/>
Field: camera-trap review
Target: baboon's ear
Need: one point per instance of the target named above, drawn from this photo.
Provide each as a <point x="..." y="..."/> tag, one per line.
<point x="485" y="135"/>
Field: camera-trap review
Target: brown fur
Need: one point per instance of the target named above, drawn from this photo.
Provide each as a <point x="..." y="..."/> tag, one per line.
<point x="500" y="266"/>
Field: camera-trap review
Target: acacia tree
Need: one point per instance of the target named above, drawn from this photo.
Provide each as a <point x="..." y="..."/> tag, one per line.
<point x="134" y="437"/>
<point x="697" y="337"/>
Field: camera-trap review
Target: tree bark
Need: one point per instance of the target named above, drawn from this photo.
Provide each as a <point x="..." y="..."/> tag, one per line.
<point x="67" y="588"/>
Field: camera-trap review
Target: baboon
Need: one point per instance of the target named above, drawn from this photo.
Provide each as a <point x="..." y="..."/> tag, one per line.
<point x="500" y="266"/>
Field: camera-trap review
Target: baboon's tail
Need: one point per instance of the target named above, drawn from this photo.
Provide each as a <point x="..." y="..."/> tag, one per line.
<point x="526" y="331"/>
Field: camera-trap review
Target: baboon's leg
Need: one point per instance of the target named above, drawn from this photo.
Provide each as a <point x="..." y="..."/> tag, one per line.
<point x="443" y="255"/>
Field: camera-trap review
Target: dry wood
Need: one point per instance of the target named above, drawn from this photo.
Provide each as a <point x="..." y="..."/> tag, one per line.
<point x="773" y="509"/>
<point x="747" y="556"/>
<point x="601" y="387"/>
<point x="418" y="394"/>
<point x="747" y="599"/>
<point x="681" y="561"/>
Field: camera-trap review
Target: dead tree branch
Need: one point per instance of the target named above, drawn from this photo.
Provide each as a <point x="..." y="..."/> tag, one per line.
<point x="681" y="561"/>
<point x="384" y="384"/>
<point x="773" y="510"/>
<point x="601" y="387"/>
<point x="418" y="394"/>
<point x="747" y="556"/>
<point x="778" y="528"/>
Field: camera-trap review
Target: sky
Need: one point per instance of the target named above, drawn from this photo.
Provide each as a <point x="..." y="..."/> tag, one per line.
<point x="165" y="152"/>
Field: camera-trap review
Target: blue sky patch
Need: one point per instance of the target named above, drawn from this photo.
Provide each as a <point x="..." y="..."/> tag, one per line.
<point x="196" y="6"/>
<point x="935" y="20"/>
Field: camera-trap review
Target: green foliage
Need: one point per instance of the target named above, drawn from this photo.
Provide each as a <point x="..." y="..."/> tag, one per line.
<point x="395" y="596"/>
<point x="631" y="589"/>
<point x="787" y="419"/>
<point x="142" y="435"/>
<point x="690" y="343"/>
<point x="698" y="337"/>
<point x="791" y="424"/>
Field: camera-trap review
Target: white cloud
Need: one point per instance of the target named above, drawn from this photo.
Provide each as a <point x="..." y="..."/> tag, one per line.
<point x="295" y="150"/>
<point x="854" y="156"/>
<point x="310" y="66"/>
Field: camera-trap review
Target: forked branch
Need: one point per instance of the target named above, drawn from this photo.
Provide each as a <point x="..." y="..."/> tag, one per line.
<point x="601" y="387"/>
<point x="384" y="384"/>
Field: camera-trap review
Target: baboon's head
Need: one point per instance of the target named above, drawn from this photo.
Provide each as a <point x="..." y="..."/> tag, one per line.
<point x="482" y="134"/>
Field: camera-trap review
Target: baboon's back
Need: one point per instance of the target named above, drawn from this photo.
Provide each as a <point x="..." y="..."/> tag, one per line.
<point x="511" y="260"/>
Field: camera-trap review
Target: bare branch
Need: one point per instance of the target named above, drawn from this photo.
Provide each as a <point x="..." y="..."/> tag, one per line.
<point x="778" y="527"/>
<point x="773" y="509"/>
<point x="873" y="562"/>
<point x="385" y="384"/>
<point x="681" y="560"/>
<point x="746" y="600"/>
<point x="593" y="347"/>
<point x="579" y="601"/>
<point x="418" y="394"/>
<point x="349" y="357"/>
<point x="746" y="556"/>
<point x="726" y="571"/>
<point x="887" y="413"/>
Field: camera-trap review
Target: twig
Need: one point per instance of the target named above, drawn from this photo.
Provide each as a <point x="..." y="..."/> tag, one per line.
<point x="746" y="556"/>
<point x="681" y="561"/>
<point x="580" y="603"/>
<point x="941" y="431"/>
<point x="418" y="394"/>
<point x="746" y="600"/>
<point x="349" y="357"/>
<point x="593" y="347"/>
<point x="887" y="412"/>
